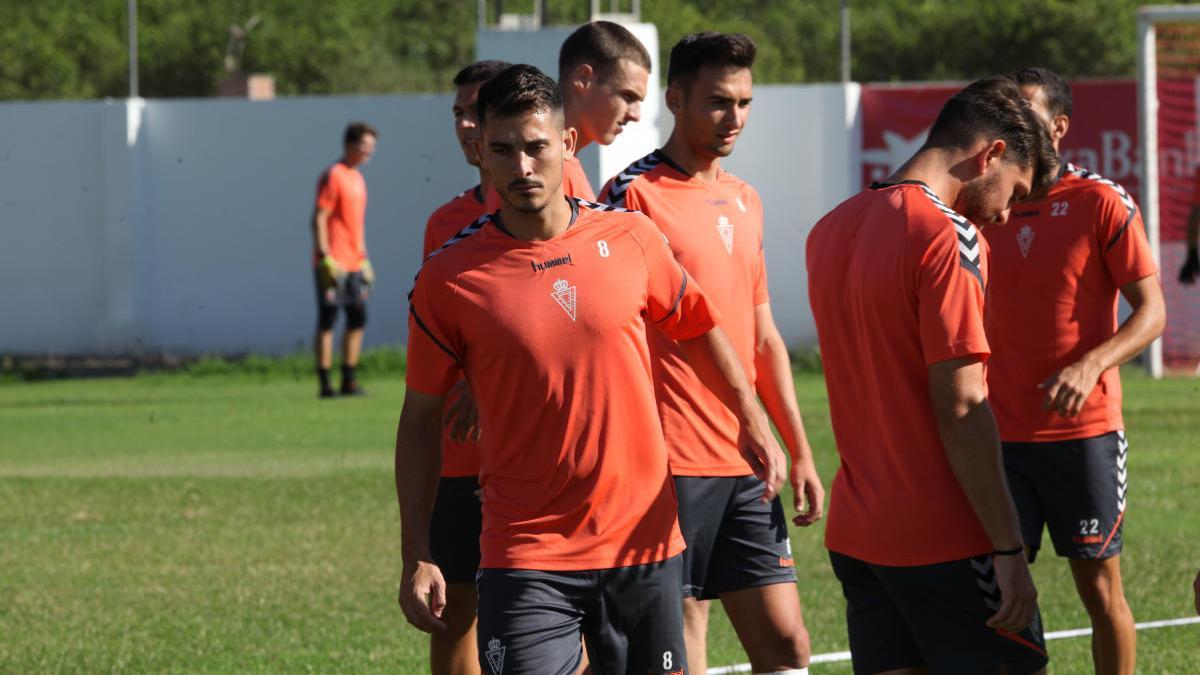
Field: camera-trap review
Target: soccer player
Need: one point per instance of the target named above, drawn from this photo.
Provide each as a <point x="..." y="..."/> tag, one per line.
<point x="603" y="70"/>
<point x="472" y="203"/>
<point x="1057" y="270"/>
<point x="545" y="306"/>
<point x="343" y="273"/>
<point x="922" y="531"/>
<point x="737" y="544"/>
<point x="1191" y="264"/>
<point x="457" y="519"/>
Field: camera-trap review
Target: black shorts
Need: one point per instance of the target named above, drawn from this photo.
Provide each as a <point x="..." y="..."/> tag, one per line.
<point x="350" y="290"/>
<point x="933" y="616"/>
<point x="734" y="540"/>
<point x="454" y="529"/>
<point x="631" y="617"/>
<point x="1075" y="488"/>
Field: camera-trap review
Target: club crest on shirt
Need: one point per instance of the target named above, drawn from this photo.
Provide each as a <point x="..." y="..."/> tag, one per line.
<point x="495" y="655"/>
<point x="725" y="229"/>
<point x="564" y="295"/>
<point x="1025" y="239"/>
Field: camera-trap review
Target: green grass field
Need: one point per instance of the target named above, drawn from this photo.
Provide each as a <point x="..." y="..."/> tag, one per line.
<point x="227" y="522"/>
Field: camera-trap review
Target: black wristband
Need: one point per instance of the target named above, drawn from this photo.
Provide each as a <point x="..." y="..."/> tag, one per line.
<point x="1008" y="551"/>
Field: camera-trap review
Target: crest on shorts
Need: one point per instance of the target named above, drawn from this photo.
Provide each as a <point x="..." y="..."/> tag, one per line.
<point x="564" y="295"/>
<point x="1024" y="239"/>
<point x="725" y="229"/>
<point x="495" y="655"/>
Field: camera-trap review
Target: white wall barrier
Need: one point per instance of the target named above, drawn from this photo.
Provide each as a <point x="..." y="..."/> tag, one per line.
<point x="182" y="226"/>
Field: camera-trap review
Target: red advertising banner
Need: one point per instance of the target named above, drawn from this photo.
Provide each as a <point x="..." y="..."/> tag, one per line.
<point x="1103" y="135"/>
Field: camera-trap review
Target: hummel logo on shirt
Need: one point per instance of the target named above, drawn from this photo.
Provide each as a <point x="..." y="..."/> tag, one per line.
<point x="551" y="263"/>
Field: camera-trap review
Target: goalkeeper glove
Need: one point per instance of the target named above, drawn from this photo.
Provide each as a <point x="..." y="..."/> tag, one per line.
<point x="1191" y="266"/>
<point x="328" y="272"/>
<point x="368" y="272"/>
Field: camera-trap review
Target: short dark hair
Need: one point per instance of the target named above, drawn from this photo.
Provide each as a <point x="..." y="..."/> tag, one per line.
<point x="1058" y="92"/>
<point x="356" y="130"/>
<point x="697" y="50"/>
<point x="516" y="90"/>
<point x="480" y="71"/>
<point x="993" y="108"/>
<point x="600" y="44"/>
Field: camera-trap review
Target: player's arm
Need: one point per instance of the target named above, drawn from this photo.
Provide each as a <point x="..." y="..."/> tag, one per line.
<point x="972" y="442"/>
<point x="1191" y="264"/>
<point x="777" y="390"/>
<point x="1067" y="390"/>
<point x="418" y="464"/>
<point x="320" y="227"/>
<point x="715" y="362"/>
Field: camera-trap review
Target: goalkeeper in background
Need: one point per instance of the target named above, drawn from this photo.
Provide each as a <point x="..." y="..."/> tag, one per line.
<point x="344" y="275"/>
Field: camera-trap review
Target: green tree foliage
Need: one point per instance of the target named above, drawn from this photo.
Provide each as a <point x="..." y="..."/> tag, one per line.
<point x="77" y="48"/>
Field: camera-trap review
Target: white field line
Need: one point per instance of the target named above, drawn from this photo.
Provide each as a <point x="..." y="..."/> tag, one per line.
<point x="833" y="657"/>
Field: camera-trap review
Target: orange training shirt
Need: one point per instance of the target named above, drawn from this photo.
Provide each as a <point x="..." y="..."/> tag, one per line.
<point x="896" y="280"/>
<point x="343" y="192"/>
<point x="552" y="337"/>
<point x="450" y="218"/>
<point x="458" y="459"/>
<point x="575" y="182"/>
<point x="716" y="231"/>
<point x="1057" y="269"/>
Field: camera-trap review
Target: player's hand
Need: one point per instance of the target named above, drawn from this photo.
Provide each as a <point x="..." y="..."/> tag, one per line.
<point x="462" y="417"/>
<point x="757" y="444"/>
<point x="1191" y="266"/>
<point x="807" y="492"/>
<point x="423" y="596"/>
<point x="368" y="272"/>
<point x="328" y="272"/>
<point x="1070" y="387"/>
<point x="1018" y="596"/>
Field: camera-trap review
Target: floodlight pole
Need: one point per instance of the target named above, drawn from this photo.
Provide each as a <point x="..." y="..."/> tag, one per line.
<point x="133" y="49"/>
<point x="845" y="41"/>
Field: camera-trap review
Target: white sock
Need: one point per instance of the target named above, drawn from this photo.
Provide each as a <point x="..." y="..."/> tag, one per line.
<point x="793" y="671"/>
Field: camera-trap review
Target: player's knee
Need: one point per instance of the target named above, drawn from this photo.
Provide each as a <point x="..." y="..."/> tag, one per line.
<point x="1101" y="594"/>
<point x="794" y="648"/>
<point x="326" y="318"/>
<point x="356" y="316"/>
<point x="781" y="650"/>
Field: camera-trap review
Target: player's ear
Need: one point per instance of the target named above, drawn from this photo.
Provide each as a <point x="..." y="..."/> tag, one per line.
<point x="991" y="154"/>
<point x="582" y="77"/>
<point x="674" y="98"/>
<point x="570" y="138"/>
<point x="1059" y="129"/>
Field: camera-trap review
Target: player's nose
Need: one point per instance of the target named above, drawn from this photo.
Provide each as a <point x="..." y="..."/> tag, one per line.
<point x="634" y="113"/>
